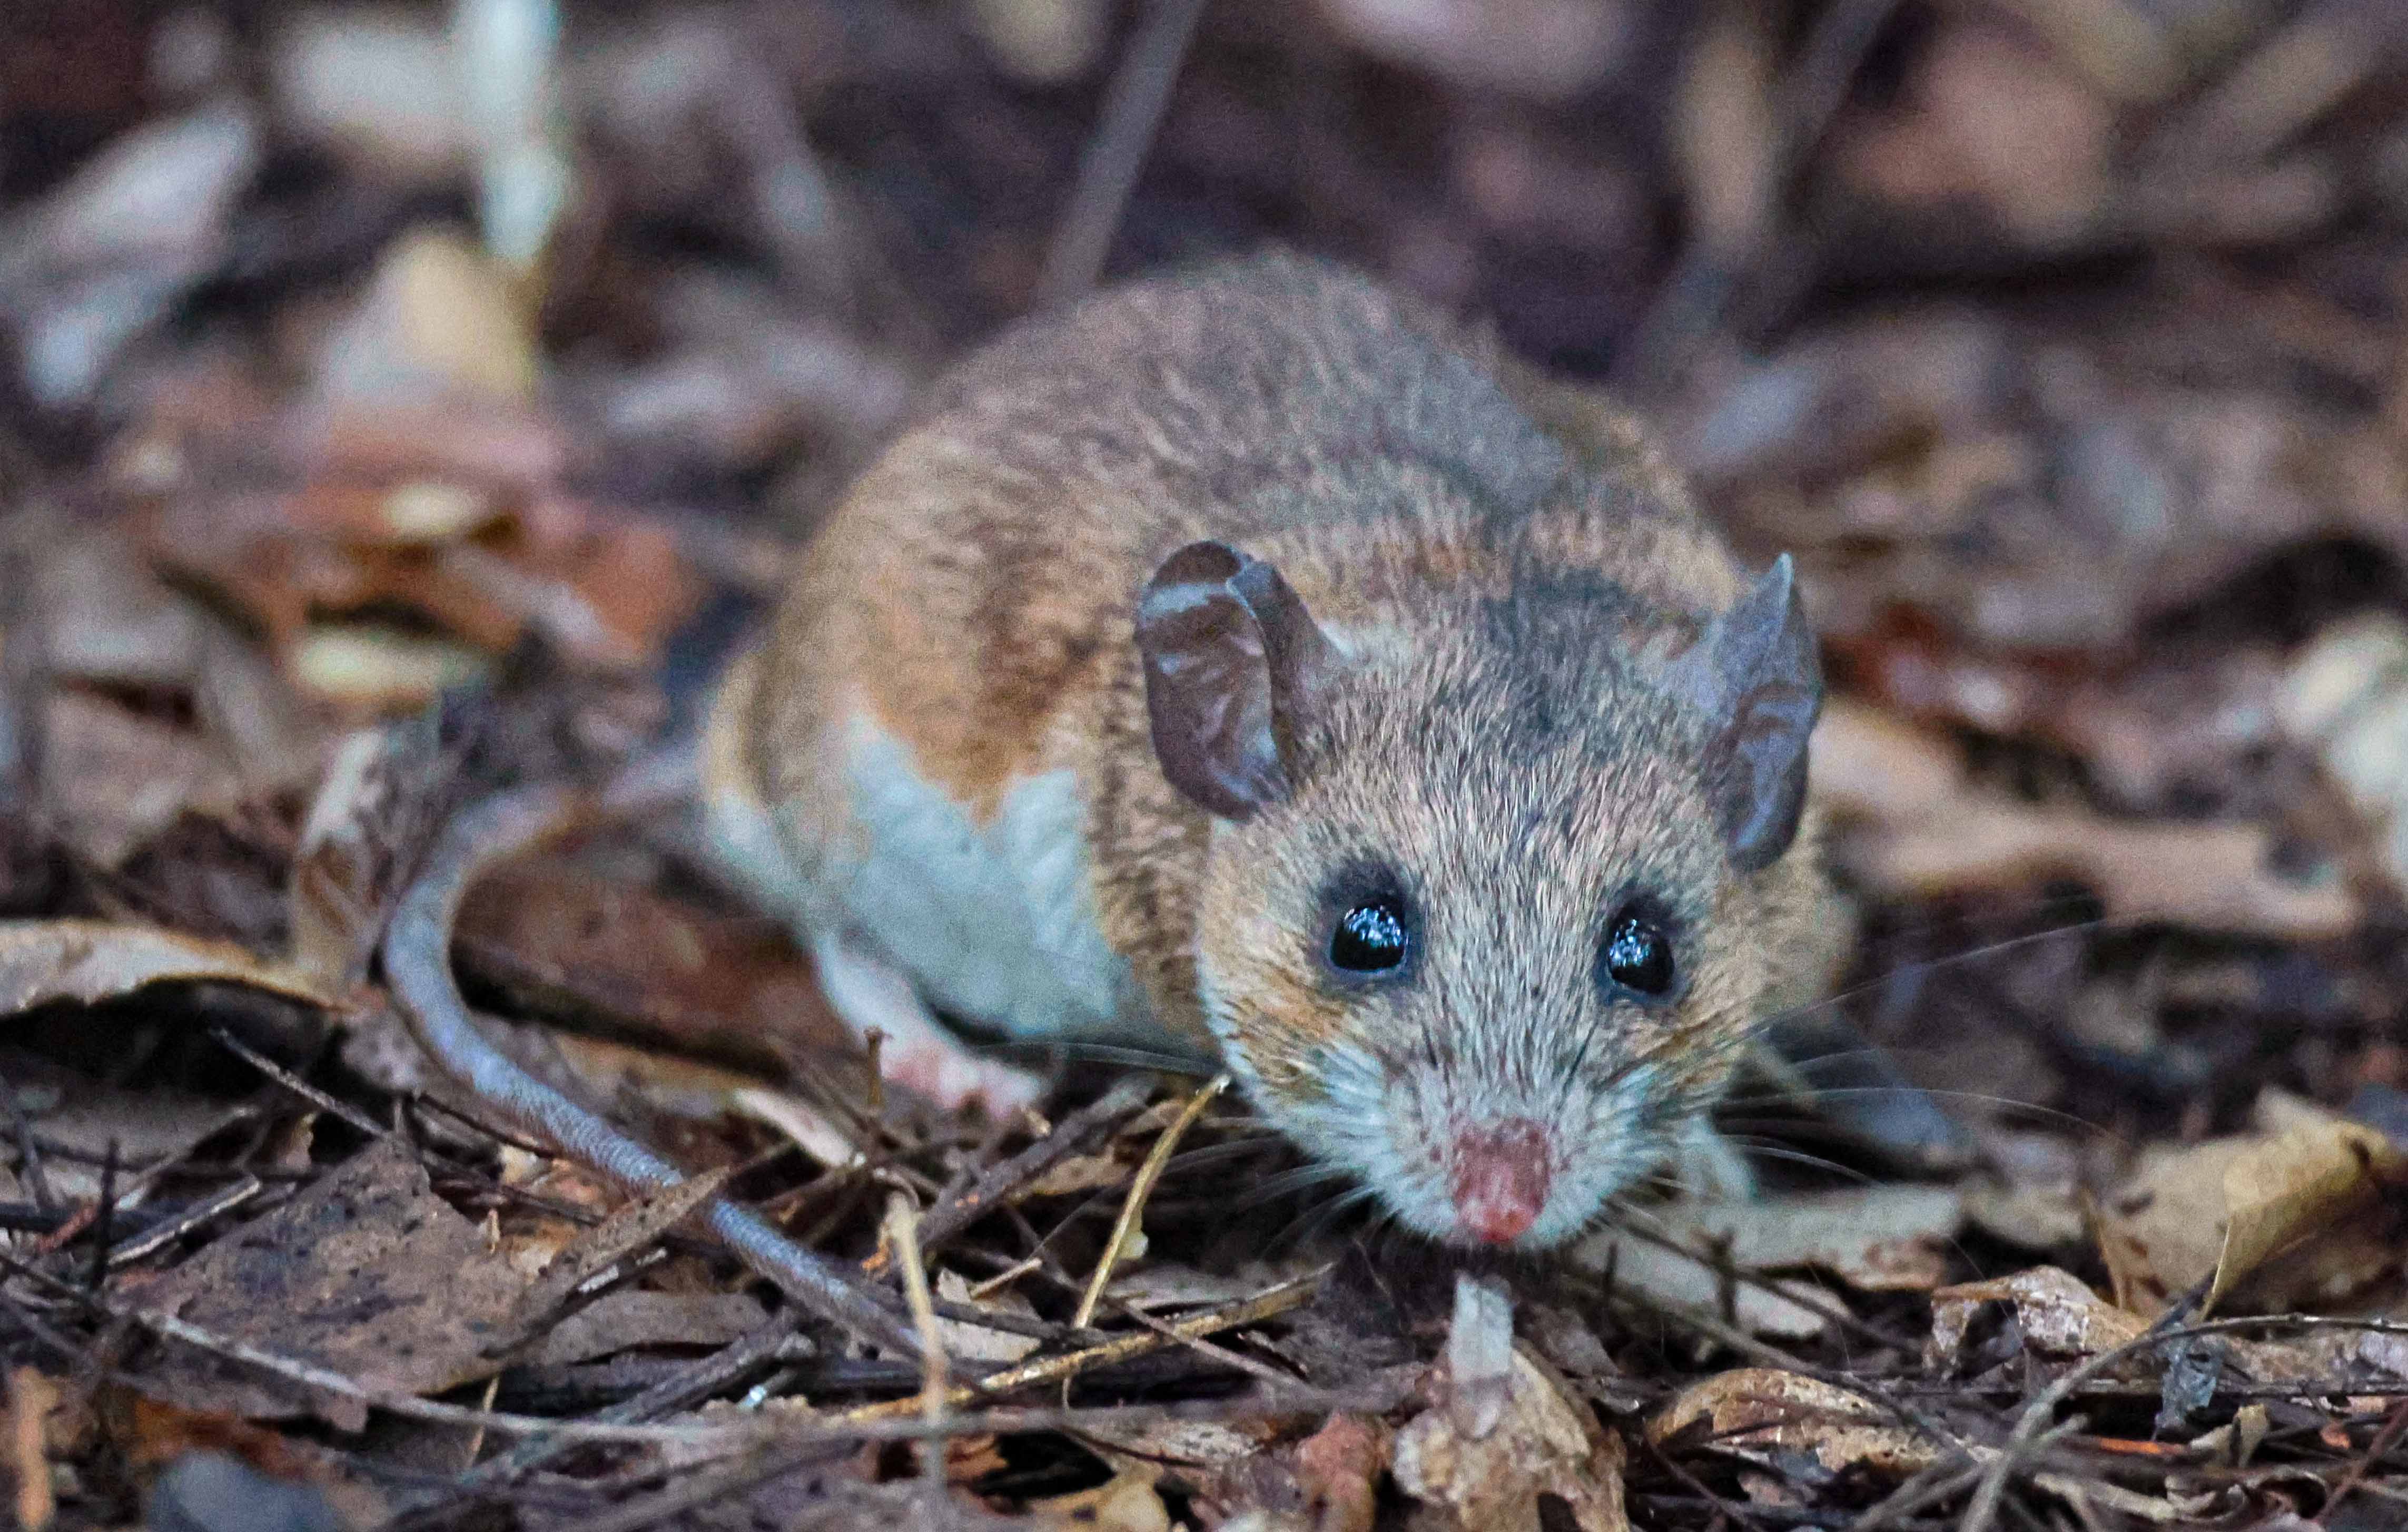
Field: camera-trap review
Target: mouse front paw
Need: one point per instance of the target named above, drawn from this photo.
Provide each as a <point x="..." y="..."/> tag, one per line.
<point x="915" y="1050"/>
<point x="954" y="1079"/>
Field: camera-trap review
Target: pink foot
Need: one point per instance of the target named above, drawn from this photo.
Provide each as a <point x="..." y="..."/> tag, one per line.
<point x="915" y="1050"/>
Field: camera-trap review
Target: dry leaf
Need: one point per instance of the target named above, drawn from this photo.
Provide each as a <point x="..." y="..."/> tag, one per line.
<point x="2276" y="1221"/>
<point x="2347" y="697"/>
<point x="365" y="1273"/>
<point x="1129" y="1503"/>
<point x="564" y="940"/>
<point x="1683" y="1282"/>
<point x="2058" y="1315"/>
<point x="626" y="1320"/>
<point x="437" y="318"/>
<point x="1759" y="1412"/>
<point x="1080" y="1173"/>
<point x="635" y="1226"/>
<point x="102" y="258"/>
<point x="806" y="1126"/>
<point x="1879" y="1238"/>
<point x="977" y="1342"/>
<point x="1932" y="833"/>
<point x="32" y="1397"/>
<point x="1338" y="1467"/>
<point x="90" y="961"/>
<point x="2310" y="1181"/>
<point x="116" y="779"/>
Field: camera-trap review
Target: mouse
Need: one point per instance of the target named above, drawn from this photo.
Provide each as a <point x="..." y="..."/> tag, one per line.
<point x="1253" y="665"/>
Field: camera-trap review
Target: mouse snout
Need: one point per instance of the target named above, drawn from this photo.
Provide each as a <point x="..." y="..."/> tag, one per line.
<point x="1500" y="1176"/>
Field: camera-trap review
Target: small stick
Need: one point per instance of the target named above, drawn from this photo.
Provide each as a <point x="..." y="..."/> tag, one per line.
<point x="2383" y="1437"/>
<point x="1108" y="168"/>
<point x="160" y="1235"/>
<point x="104" y="1217"/>
<point x="37" y="1176"/>
<point x="299" y="1086"/>
<point x="902" y="1231"/>
<point x="956" y="1213"/>
<point x="1141" y="1189"/>
<point x="1264" y="1305"/>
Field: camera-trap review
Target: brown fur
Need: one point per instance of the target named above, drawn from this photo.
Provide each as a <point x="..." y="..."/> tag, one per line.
<point x="1521" y="541"/>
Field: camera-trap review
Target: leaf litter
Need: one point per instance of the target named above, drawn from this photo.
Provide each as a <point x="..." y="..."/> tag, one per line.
<point x="2062" y="342"/>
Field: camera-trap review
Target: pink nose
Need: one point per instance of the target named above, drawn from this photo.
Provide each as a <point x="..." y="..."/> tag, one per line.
<point x="1500" y="1180"/>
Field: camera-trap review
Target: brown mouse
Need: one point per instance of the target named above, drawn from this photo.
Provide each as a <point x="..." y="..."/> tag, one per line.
<point x="1248" y="663"/>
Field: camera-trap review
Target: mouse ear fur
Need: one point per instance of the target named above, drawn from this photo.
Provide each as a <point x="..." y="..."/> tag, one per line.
<point x="1230" y="654"/>
<point x="1754" y="675"/>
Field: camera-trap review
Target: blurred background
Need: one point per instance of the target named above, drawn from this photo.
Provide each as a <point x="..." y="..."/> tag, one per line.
<point x="352" y="352"/>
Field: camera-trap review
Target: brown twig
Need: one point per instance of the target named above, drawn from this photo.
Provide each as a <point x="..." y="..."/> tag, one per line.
<point x="956" y="1213"/>
<point x="29" y="1154"/>
<point x="299" y="1087"/>
<point x="936" y="1382"/>
<point x="1053" y="1369"/>
<point x="166" y="1232"/>
<point x="1133" y="106"/>
<point x="2374" y="1451"/>
<point x="1133" y="1208"/>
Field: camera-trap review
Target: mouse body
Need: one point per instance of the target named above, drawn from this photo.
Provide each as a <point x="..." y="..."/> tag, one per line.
<point x="1250" y="665"/>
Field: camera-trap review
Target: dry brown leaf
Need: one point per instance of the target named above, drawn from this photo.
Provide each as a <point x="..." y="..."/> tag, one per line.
<point x="115" y="778"/>
<point x="1931" y="833"/>
<point x="2058" y="1315"/>
<point x="975" y="1341"/>
<point x="1542" y="1442"/>
<point x="1080" y="1173"/>
<point x="2347" y="699"/>
<point x="1129" y="1503"/>
<point x="2033" y="1218"/>
<point x="32" y="1397"/>
<point x="564" y="940"/>
<point x="82" y="1116"/>
<point x="159" y="1433"/>
<point x="1990" y="118"/>
<point x="624" y="1321"/>
<point x="634" y="1227"/>
<point x="439" y="318"/>
<point x="90" y="961"/>
<point x="1758" y="1413"/>
<point x="2281" y="1222"/>
<point x="2311" y="1181"/>
<point x="365" y="1273"/>
<point x="1890" y="1238"/>
<point x="1880" y="1238"/>
<point x="1687" y="1284"/>
<point x="1338" y="1467"/>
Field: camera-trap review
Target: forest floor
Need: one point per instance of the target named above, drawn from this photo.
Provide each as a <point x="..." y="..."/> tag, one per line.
<point x="363" y="455"/>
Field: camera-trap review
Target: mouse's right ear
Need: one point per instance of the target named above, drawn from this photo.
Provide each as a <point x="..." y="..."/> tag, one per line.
<point x="1754" y="675"/>
<point x="1230" y="654"/>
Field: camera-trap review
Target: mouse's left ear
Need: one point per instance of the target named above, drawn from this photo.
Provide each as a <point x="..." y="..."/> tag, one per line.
<point x="1754" y="674"/>
<point x="1230" y="655"/>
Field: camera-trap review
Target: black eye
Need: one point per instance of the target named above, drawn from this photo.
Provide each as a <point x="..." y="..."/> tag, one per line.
<point x="1371" y="937"/>
<point x="1637" y="954"/>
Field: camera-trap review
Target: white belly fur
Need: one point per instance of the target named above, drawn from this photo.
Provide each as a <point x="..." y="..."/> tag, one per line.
<point x="996" y="923"/>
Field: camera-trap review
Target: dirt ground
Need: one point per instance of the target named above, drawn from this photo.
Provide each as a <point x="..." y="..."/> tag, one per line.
<point x="404" y="410"/>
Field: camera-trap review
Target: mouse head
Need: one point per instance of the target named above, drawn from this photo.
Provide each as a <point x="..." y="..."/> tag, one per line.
<point x="1488" y="912"/>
